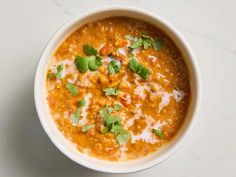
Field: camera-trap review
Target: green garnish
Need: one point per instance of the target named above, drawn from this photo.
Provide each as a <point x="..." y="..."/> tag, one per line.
<point x="145" y="41"/>
<point x="123" y="137"/>
<point x="136" y="44"/>
<point x="158" y="133"/>
<point x="130" y="37"/>
<point x="138" y="68"/>
<point x="117" y="106"/>
<point x="109" y="109"/>
<point x="114" y="67"/>
<point x="82" y="63"/>
<point x="94" y="63"/>
<point x="59" y="72"/>
<point x="89" y="62"/>
<point x="72" y="89"/>
<point x="158" y="44"/>
<point x="87" y="127"/>
<point x="111" y="91"/>
<point x="113" y="125"/>
<point x="81" y="103"/>
<point x="89" y="50"/>
<point x="75" y="117"/>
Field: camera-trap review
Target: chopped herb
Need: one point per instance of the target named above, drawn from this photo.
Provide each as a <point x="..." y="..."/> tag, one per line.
<point x="89" y="62"/>
<point x="87" y="127"/>
<point x="58" y="74"/>
<point x="81" y="103"/>
<point x="113" y="67"/>
<point x="109" y="109"/>
<point x="116" y="128"/>
<point x="113" y="125"/>
<point x="72" y="89"/>
<point x="158" y="44"/>
<point x="75" y="117"/>
<point x="82" y="63"/>
<point x="144" y="72"/>
<point x="158" y="133"/>
<point x="138" y="68"/>
<point x="134" y="65"/>
<point x="136" y="44"/>
<point x="130" y="37"/>
<point x="111" y="91"/>
<point x="89" y="50"/>
<point x="59" y="71"/>
<point x="147" y="43"/>
<point x="94" y="63"/>
<point x="123" y="137"/>
<point x="52" y="75"/>
<point x="117" y="106"/>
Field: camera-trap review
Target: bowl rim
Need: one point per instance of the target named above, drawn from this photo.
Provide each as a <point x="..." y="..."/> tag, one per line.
<point x="160" y="20"/>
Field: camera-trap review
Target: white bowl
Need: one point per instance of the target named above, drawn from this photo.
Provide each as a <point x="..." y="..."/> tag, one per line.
<point x="67" y="147"/>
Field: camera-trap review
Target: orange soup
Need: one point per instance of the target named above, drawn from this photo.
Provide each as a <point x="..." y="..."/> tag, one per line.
<point x="118" y="88"/>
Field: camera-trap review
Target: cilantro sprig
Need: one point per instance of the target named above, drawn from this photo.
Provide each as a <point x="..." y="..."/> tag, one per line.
<point x="75" y="117"/>
<point x="158" y="133"/>
<point x="72" y="89"/>
<point x="58" y="74"/>
<point x="110" y="91"/>
<point x="91" y="62"/>
<point x="138" y="68"/>
<point x="114" y="66"/>
<point x="81" y="103"/>
<point x="85" y="128"/>
<point x="113" y="125"/>
<point x="89" y="50"/>
<point x="145" y="41"/>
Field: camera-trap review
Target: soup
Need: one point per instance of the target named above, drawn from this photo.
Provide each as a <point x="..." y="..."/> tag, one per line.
<point x="118" y="88"/>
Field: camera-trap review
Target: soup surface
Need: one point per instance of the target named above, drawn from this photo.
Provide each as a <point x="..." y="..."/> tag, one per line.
<point x="118" y="88"/>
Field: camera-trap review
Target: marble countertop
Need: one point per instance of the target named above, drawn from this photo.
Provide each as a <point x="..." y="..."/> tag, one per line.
<point x="27" y="25"/>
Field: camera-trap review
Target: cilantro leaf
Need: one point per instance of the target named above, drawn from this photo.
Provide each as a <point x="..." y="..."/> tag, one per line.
<point x="52" y="75"/>
<point x="117" y="106"/>
<point x="144" y="72"/>
<point x="138" y="68"/>
<point x="87" y="127"/>
<point x="113" y="67"/>
<point x="111" y="91"/>
<point x="134" y="65"/>
<point x="158" y="133"/>
<point x="59" y="72"/>
<point x="75" y="117"/>
<point x="130" y="37"/>
<point x="72" y="89"/>
<point x="89" y="50"/>
<point x="82" y="63"/>
<point x="123" y="137"/>
<point x="113" y="125"/>
<point x="147" y="43"/>
<point x="109" y="119"/>
<point x="90" y="62"/>
<point x="109" y="109"/>
<point x="116" y="129"/>
<point x="158" y="44"/>
<point x="94" y="63"/>
<point x="136" y="44"/>
<point x="81" y="103"/>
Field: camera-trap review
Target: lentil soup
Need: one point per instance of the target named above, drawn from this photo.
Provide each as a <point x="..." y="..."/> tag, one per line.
<point x="118" y="88"/>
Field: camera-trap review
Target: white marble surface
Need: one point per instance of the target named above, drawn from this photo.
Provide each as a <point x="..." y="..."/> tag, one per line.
<point x="27" y="25"/>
